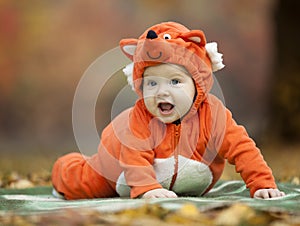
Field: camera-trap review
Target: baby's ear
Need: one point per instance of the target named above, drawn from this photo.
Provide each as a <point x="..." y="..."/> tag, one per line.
<point x="128" y="46"/>
<point x="195" y="36"/>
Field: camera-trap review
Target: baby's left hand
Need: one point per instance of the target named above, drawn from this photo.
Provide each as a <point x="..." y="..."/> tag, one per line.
<point x="268" y="193"/>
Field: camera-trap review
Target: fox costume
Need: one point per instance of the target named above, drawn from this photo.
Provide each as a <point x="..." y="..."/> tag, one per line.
<point x="138" y="152"/>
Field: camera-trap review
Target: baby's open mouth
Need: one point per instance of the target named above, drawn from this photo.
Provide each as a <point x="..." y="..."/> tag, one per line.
<point x="165" y="108"/>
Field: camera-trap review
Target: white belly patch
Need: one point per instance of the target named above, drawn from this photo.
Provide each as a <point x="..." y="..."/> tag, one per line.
<point x="193" y="177"/>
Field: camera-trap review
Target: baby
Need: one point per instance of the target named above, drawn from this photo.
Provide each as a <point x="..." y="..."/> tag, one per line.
<point x="174" y="141"/>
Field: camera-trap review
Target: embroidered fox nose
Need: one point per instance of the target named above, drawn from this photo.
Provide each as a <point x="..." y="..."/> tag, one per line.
<point x="151" y="34"/>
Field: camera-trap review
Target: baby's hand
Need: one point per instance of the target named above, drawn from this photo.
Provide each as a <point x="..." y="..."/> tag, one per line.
<point x="268" y="193"/>
<point x="159" y="193"/>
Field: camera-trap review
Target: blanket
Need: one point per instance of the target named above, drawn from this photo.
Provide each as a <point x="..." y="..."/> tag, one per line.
<point x="225" y="193"/>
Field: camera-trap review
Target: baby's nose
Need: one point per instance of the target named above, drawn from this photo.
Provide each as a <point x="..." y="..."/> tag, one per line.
<point x="163" y="91"/>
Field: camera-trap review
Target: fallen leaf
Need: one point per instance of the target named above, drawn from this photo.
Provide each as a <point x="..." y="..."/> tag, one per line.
<point x="235" y="215"/>
<point x="21" y="184"/>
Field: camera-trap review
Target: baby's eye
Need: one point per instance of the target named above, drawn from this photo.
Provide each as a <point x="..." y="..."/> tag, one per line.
<point x="152" y="83"/>
<point x="167" y="36"/>
<point x="175" y="82"/>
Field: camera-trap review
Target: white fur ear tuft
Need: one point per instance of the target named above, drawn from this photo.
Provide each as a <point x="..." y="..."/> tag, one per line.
<point x="128" y="71"/>
<point x="195" y="39"/>
<point x="216" y="58"/>
<point x="129" y="49"/>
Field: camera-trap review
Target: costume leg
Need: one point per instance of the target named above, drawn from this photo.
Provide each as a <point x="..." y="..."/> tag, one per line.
<point x="73" y="177"/>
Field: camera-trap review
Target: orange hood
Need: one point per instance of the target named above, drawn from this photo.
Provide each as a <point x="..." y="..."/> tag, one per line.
<point x="171" y="42"/>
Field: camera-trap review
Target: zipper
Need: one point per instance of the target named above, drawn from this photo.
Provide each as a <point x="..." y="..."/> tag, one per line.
<point x="176" y="153"/>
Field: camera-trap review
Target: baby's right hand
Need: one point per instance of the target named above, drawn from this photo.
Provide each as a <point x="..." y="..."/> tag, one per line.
<point x="159" y="193"/>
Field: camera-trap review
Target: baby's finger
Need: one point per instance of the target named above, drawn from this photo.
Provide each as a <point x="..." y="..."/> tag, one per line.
<point x="168" y="194"/>
<point x="171" y="194"/>
<point x="282" y="194"/>
<point x="273" y="193"/>
<point x="277" y="193"/>
<point x="265" y="195"/>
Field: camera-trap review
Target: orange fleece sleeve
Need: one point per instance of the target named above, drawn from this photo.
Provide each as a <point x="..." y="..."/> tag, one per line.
<point x="239" y="149"/>
<point x="138" y="170"/>
<point x="136" y="152"/>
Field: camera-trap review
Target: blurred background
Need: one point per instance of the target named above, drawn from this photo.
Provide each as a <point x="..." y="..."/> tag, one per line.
<point x="46" y="46"/>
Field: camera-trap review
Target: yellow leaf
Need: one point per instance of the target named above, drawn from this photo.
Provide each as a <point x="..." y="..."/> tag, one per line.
<point x="235" y="215"/>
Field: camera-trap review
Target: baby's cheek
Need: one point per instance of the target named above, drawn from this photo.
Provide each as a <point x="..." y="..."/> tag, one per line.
<point x="186" y="101"/>
<point x="150" y="104"/>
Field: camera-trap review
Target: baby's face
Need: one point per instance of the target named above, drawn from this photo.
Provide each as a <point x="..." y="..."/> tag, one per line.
<point x="168" y="92"/>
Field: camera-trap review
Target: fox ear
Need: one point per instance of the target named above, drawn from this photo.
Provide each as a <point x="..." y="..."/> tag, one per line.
<point x="195" y="36"/>
<point x="128" y="46"/>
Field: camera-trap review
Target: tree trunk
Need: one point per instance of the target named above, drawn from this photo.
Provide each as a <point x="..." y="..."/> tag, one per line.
<point x="285" y="96"/>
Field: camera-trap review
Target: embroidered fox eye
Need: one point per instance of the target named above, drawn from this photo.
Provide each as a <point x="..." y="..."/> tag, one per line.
<point x="167" y="36"/>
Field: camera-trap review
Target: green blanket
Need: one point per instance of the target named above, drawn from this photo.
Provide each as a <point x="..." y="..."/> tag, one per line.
<point x="225" y="193"/>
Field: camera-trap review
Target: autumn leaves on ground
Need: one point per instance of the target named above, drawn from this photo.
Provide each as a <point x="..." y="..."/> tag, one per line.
<point x="35" y="170"/>
<point x="237" y="214"/>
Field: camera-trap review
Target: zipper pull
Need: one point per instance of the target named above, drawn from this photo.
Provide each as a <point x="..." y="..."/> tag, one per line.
<point x="177" y="130"/>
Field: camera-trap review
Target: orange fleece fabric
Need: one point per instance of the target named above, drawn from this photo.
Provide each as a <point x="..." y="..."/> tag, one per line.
<point x="133" y="142"/>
